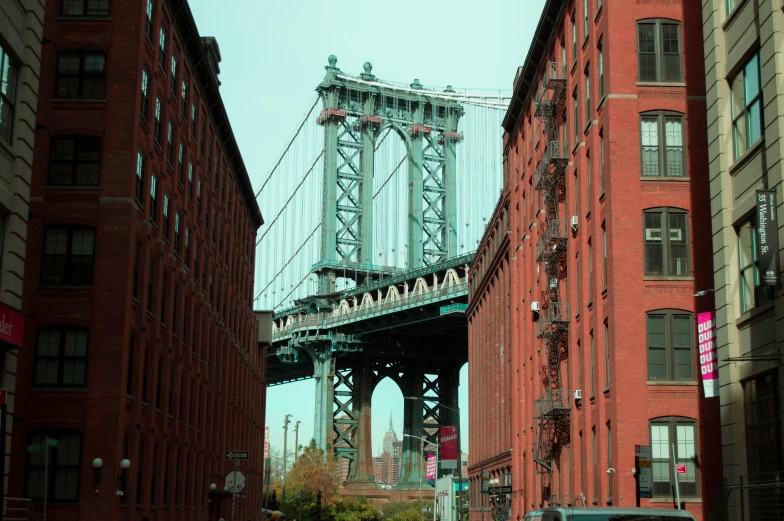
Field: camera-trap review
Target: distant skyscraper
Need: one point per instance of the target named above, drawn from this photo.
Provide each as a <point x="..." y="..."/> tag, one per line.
<point x="389" y="438"/>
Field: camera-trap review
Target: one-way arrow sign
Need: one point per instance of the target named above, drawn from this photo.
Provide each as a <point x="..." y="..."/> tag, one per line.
<point x="236" y="454"/>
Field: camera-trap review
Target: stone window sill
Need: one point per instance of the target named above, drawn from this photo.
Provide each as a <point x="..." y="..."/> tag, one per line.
<point x="661" y="84"/>
<point x="747" y="155"/>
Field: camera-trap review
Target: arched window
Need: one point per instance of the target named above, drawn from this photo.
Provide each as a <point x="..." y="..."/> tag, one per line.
<point x="670" y="341"/>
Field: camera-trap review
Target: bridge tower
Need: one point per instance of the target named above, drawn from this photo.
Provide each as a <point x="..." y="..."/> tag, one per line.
<point x="356" y="110"/>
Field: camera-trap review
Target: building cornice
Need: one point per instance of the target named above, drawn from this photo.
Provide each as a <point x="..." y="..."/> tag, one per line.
<point x="208" y="85"/>
<point x="537" y="53"/>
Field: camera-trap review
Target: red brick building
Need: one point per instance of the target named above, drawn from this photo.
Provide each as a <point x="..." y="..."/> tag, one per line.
<point x="582" y="319"/>
<point x="141" y="343"/>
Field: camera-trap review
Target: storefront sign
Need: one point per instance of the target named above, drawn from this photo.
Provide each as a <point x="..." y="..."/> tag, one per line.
<point x="449" y="447"/>
<point x="11" y="326"/>
<point x="643" y="454"/>
<point x="709" y="367"/>
<point x="767" y="238"/>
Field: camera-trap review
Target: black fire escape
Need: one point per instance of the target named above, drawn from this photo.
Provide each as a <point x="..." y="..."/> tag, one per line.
<point x="552" y="408"/>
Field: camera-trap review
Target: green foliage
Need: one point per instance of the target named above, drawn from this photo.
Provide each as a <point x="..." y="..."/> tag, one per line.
<point x="355" y="508"/>
<point x="400" y="510"/>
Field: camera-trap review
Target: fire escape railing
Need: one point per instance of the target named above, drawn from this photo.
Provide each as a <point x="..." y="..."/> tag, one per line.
<point x="552" y="408"/>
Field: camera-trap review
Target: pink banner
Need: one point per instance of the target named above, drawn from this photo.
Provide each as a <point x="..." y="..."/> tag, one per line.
<point x="449" y="447"/>
<point x="709" y="367"/>
<point x="431" y="466"/>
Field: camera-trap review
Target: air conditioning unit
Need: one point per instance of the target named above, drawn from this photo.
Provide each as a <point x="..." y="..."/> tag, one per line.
<point x="535" y="307"/>
<point x="578" y="394"/>
<point x="574" y="223"/>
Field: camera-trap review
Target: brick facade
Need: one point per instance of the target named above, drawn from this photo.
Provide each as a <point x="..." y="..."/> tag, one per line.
<point x="172" y="376"/>
<point x="622" y="401"/>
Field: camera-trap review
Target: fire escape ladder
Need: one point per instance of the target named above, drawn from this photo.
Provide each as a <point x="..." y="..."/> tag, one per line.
<point x="552" y="408"/>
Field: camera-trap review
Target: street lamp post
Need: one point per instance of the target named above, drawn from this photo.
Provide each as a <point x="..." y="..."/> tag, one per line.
<point x="459" y="456"/>
<point x="286" y="422"/>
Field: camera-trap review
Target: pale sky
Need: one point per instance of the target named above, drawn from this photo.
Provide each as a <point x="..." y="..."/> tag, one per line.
<point x="273" y="56"/>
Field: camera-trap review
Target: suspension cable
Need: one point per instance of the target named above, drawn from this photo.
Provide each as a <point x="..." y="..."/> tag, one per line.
<point x="389" y="177"/>
<point x="285" y="150"/>
<point x="289" y="261"/>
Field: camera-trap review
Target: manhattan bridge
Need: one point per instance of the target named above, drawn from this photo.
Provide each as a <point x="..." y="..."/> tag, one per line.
<point x="375" y="208"/>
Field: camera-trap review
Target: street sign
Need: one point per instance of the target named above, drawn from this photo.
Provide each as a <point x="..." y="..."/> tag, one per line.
<point x="236" y="455"/>
<point x="500" y="490"/>
<point x="231" y="483"/>
<point x="485" y="480"/>
<point x="40" y="447"/>
<point x="680" y="468"/>
<point x="53" y="442"/>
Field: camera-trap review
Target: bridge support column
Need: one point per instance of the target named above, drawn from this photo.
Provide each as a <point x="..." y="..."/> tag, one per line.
<point x="363" y="387"/>
<point x="450" y="198"/>
<point x="416" y="212"/>
<point x="413" y="424"/>
<point x="324" y="373"/>
<point x="329" y="220"/>
<point x="366" y="193"/>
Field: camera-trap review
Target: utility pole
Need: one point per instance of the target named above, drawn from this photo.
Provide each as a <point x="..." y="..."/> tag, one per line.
<point x="286" y="422"/>
<point x="296" y="444"/>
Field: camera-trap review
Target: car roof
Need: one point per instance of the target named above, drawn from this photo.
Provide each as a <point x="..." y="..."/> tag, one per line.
<point x="614" y="510"/>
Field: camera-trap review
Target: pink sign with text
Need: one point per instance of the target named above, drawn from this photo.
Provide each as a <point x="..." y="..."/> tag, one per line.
<point x="709" y="367"/>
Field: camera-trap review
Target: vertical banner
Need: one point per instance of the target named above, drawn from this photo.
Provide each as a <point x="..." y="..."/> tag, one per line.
<point x="431" y="466"/>
<point x="709" y="367"/>
<point x="449" y="447"/>
<point x="767" y="238"/>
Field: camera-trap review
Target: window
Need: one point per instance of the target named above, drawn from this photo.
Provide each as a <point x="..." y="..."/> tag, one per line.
<point x="763" y="424"/>
<point x="579" y="285"/>
<point x="666" y="242"/>
<point x="747" y="106"/>
<point x="136" y="258"/>
<point x="149" y="20"/>
<point x="175" y="307"/>
<point x="593" y="367"/>
<point x="588" y="108"/>
<point x="580" y="371"/>
<point x="7" y="95"/>
<point x="68" y="256"/>
<point x="659" y="51"/>
<point x="61" y="357"/>
<point x="140" y="177"/>
<point x="187" y="248"/>
<point x="163" y="300"/>
<point x="752" y="294"/>
<point x="177" y="233"/>
<point x="158" y="123"/>
<point x="140" y="473"/>
<point x="75" y="161"/>
<point x="184" y="95"/>
<point x="81" y="75"/>
<point x="166" y="216"/>
<point x="150" y="279"/>
<point x="129" y="383"/>
<point x="196" y="259"/>
<point x="162" y="49"/>
<point x="154" y="472"/>
<point x="604" y="257"/>
<point x="588" y="179"/>
<point x="170" y="143"/>
<point x="190" y="182"/>
<point x="145" y="108"/>
<point x="153" y="198"/>
<point x="680" y="433"/>
<point x="606" y="354"/>
<point x="576" y="119"/>
<point x="198" y="198"/>
<point x="670" y="342"/>
<point x="601" y="66"/>
<point x="174" y="75"/>
<point x="662" y="159"/>
<point x="84" y="8"/>
<point x="145" y="374"/>
<point x="590" y="272"/>
<point x="586" y="15"/>
<point x="201" y="138"/>
<point x="574" y="36"/>
<point x="732" y="4"/>
<point x="63" y="472"/>
<point x="193" y="120"/>
<point x="181" y="168"/>
<point x="601" y="160"/>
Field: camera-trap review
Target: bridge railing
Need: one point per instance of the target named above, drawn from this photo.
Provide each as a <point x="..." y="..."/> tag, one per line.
<point x="329" y="320"/>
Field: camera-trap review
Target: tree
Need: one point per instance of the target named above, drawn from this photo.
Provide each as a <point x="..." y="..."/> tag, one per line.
<point x="314" y="472"/>
<point x="394" y="508"/>
<point x="355" y="508"/>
